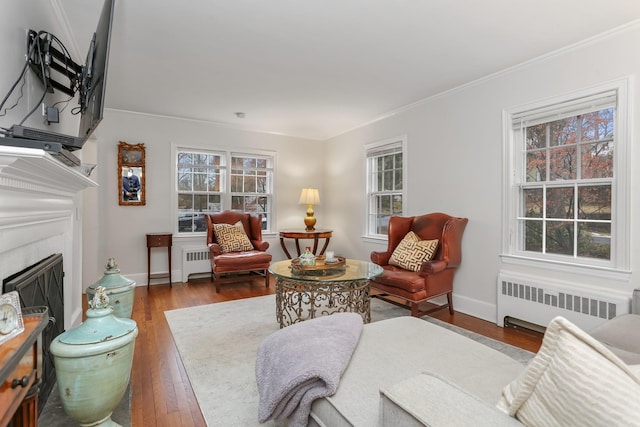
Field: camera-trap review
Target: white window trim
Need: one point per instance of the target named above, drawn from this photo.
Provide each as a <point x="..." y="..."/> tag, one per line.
<point x="619" y="264"/>
<point x="226" y="194"/>
<point x="402" y="139"/>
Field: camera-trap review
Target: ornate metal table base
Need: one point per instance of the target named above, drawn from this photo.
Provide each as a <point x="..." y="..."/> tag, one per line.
<point x="299" y="300"/>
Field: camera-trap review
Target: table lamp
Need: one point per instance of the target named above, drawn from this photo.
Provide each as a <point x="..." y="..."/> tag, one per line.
<point x="309" y="196"/>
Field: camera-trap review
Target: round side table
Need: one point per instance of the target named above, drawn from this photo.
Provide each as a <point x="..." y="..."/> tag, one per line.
<point x="298" y="235"/>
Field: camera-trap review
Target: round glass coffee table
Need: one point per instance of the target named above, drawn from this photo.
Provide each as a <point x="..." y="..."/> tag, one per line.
<point x="303" y="294"/>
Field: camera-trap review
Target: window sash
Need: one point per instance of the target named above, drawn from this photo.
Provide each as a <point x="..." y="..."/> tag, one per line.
<point x="249" y="175"/>
<point x="385" y="185"/>
<point x="590" y="231"/>
<point x="573" y="231"/>
<point x="252" y="184"/>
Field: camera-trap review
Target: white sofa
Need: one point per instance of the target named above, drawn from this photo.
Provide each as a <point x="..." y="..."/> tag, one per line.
<point x="616" y="333"/>
<point x="410" y="372"/>
<point x="396" y="350"/>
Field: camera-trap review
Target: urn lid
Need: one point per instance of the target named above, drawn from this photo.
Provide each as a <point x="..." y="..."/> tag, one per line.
<point x="101" y="325"/>
<point x="112" y="278"/>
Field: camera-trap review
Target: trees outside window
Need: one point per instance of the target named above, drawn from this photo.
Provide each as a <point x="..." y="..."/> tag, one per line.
<point x="200" y="186"/>
<point x="251" y="185"/>
<point x="567" y="192"/>
<point x="564" y="174"/>
<point x="213" y="181"/>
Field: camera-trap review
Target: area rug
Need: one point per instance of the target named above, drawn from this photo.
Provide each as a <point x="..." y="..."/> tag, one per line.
<point x="218" y="344"/>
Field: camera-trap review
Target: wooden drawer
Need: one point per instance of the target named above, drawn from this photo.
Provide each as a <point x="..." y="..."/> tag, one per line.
<point x="19" y="358"/>
<point x="10" y="398"/>
<point x="159" y="240"/>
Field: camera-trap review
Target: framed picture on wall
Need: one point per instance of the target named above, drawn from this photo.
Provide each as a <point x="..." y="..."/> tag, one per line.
<point x="131" y="174"/>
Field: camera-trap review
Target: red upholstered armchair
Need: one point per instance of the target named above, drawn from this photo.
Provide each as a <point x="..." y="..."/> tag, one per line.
<point x="230" y="251"/>
<point x="433" y="278"/>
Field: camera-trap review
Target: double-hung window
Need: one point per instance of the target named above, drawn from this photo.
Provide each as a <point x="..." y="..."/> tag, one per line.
<point x="200" y="184"/>
<point x="209" y="181"/>
<point x="565" y="178"/>
<point x="386" y="177"/>
<point x="252" y="185"/>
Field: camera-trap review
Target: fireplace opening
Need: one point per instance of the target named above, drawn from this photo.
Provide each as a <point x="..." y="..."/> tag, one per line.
<point x="42" y="285"/>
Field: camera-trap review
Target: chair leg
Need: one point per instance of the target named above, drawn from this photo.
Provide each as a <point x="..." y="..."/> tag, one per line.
<point x="415" y="311"/>
<point x="450" y="301"/>
<point x="216" y="281"/>
<point x="266" y="278"/>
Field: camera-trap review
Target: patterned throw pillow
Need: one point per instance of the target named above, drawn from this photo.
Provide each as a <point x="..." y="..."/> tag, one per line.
<point x="573" y="380"/>
<point x="232" y="238"/>
<point x="412" y="252"/>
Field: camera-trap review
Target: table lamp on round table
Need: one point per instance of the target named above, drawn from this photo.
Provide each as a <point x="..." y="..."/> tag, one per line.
<point x="309" y="196"/>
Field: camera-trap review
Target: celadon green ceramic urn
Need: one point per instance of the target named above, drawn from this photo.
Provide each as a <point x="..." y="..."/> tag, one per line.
<point x="120" y="289"/>
<point x="93" y="363"/>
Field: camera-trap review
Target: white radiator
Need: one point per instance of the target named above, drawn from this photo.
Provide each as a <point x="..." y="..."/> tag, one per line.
<point x="195" y="259"/>
<point x="537" y="302"/>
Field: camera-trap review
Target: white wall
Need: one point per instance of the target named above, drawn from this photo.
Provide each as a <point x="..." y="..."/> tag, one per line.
<point x="455" y="161"/>
<point x="119" y="231"/>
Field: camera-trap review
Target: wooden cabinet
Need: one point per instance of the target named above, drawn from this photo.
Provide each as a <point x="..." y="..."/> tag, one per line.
<point x="20" y="358"/>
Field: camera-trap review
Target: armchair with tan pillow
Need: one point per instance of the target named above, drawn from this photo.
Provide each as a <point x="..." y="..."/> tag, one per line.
<point x="235" y="245"/>
<point x="421" y="259"/>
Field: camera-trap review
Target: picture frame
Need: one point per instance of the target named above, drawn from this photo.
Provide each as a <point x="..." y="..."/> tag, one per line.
<point x="131" y="174"/>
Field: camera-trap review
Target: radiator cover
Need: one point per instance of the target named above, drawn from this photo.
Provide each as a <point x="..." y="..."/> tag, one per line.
<point x="537" y="301"/>
<point x="195" y="259"/>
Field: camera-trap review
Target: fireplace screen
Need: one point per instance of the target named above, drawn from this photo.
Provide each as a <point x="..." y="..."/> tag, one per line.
<point x="42" y="285"/>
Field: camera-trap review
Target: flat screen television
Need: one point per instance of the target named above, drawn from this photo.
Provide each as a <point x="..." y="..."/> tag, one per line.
<point x="93" y="84"/>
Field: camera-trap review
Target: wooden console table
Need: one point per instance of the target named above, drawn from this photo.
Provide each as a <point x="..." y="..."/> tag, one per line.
<point x="20" y="371"/>
<point x="158" y="240"/>
<point x="303" y="234"/>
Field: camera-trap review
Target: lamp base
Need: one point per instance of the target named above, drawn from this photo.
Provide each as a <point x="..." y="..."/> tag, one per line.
<point x="310" y="220"/>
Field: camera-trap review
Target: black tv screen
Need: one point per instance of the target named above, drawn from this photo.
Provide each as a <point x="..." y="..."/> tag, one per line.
<point x="92" y="87"/>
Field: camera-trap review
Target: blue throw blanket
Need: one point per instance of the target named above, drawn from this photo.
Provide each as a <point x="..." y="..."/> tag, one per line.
<point x="304" y="362"/>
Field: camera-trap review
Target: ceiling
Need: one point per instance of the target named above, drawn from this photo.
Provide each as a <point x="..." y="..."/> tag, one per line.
<point x="317" y="68"/>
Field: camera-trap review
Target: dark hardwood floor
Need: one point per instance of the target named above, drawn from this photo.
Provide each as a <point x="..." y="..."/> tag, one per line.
<point x="161" y="393"/>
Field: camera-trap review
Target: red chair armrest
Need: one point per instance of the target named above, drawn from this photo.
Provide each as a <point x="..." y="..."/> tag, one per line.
<point x="380" y="258"/>
<point x="260" y="245"/>
<point x="214" y="250"/>
<point x="431" y="267"/>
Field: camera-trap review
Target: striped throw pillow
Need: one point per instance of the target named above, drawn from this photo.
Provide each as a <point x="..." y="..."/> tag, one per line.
<point x="411" y="252"/>
<point x="573" y="380"/>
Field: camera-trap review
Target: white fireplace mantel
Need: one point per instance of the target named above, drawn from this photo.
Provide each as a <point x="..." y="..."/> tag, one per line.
<point x="41" y="214"/>
<point x="33" y="169"/>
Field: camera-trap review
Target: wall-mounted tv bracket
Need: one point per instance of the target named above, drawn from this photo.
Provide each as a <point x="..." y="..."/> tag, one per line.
<point x="53" y="59"/>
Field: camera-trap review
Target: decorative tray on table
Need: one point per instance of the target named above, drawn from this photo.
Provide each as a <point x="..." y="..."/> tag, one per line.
<point x="322" y="265"/>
